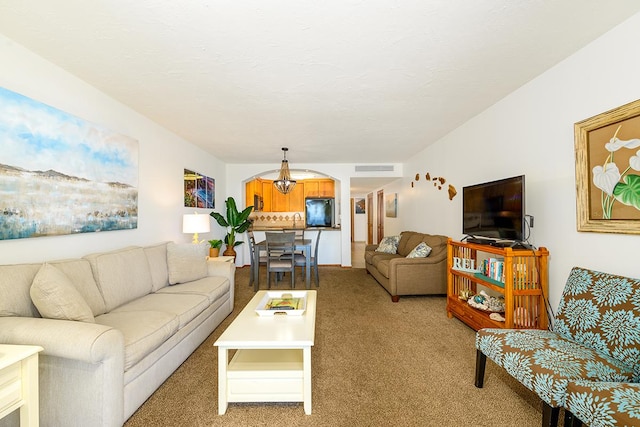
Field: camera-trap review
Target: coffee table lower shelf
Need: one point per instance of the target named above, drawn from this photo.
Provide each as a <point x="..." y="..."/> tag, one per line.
<point x="266" y="375"/>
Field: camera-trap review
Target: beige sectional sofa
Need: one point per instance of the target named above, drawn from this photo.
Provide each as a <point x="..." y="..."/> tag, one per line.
<point x="400" y="275"/>
<point x="112" y="327"/>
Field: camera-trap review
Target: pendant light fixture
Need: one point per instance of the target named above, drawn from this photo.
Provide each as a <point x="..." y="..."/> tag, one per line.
<point x="284" y="183"/>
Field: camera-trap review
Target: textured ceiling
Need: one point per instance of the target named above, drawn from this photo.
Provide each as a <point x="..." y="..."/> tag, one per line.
<point x="337" y="81"/>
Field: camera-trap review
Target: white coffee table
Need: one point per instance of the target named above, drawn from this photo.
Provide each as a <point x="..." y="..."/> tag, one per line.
<point x="273" y="358"/>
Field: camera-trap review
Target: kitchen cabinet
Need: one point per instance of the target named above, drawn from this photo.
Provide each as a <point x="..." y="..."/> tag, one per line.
<point x="274" y="201"/>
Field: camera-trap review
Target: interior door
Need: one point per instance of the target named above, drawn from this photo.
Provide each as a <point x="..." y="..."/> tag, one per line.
<point x="380" y="216"/>
<point x="352" y="204"/>
<point x="369" y="218"/>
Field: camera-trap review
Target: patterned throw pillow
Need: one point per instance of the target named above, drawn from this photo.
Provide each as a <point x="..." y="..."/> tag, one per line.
<point x="422" y="250"/>
<point x="389" y="245"/>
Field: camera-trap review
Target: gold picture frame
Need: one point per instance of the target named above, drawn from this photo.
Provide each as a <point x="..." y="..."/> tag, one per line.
<point x="607" y="150"/>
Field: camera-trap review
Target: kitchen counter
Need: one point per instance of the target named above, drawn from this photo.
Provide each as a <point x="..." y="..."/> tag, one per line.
<point x="280" y="228"/>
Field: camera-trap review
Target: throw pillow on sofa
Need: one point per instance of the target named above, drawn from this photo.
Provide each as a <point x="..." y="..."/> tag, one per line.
<point x="422" y="250"/>
<point x="186" y="262"/>
<point x="55" y="297"/>
<point x="388" y="245"/>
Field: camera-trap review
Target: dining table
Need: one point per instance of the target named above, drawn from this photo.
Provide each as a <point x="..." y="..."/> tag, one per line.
<point x="303" y="245"/>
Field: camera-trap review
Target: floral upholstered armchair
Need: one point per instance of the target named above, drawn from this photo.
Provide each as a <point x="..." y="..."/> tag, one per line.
<point x="596" y="337"/>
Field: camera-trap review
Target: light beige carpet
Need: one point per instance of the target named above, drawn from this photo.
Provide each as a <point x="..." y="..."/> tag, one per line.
<point x="374" y="363"/>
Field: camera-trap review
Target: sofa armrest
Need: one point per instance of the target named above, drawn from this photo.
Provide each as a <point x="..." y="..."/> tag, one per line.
<point x="81" y="366"/>
<point x="82" y="341"/>
<point x="224" y="269"/>
<point x="370" y="248"/>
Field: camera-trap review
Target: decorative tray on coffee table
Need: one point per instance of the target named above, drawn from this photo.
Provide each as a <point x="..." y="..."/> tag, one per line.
<point x="291" y="303"/>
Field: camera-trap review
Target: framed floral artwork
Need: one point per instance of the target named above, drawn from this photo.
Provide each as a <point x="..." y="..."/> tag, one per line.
<point x="607" y="148"/>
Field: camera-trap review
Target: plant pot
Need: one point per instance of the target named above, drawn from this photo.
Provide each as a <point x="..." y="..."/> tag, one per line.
<point x="230" y="251"/>
<point x="214" y="252"/>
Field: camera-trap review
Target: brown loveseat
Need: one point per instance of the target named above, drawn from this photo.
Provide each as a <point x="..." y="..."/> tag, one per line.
<point x="410" y="276"/>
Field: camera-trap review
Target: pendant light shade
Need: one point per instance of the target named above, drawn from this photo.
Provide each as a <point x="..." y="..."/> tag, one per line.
<point x="284" y="183"/>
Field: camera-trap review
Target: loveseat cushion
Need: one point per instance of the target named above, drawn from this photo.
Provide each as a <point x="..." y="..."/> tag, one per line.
<point x="121" y="275"/>
<point x="186" y="262"/>
<point x="604" y="403"/>
<point x="143" y="331"/>
<point x="602" y="311"/>
<point x="55" y="297"/>
<point x="157" y="258"/>
<point x="545" y="362"/>
<point x="184" y="307"/>
<point x="211" y="287"/>
<point x="411" y="239"/>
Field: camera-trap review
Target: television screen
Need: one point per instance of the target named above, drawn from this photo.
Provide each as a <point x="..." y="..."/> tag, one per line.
<point x="494" y="209"/>
<point x="319" y="212"/>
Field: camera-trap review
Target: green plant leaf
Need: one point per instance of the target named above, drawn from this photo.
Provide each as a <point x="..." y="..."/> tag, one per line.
<point x="219" y="219"/>
<point x="628" y="192"/>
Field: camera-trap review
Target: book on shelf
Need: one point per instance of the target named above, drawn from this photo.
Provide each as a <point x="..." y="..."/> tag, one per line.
<point x="283" y="304"/>
<point x="493" y="268"/>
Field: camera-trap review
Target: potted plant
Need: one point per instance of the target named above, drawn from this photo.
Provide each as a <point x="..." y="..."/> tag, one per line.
<point x="214" y="250"/>
<point x="235" y="222"/>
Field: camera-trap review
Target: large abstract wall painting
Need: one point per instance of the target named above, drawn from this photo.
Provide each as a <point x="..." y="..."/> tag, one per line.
<point x="199" y="190"/>
<point x="62" y="175"/>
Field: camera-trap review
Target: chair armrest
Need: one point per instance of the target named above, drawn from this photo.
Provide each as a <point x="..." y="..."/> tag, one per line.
<point x="68" y="339"/>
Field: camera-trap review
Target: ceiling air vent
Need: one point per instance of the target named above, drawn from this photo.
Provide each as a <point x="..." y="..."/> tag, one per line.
<point x="374" y="168"/>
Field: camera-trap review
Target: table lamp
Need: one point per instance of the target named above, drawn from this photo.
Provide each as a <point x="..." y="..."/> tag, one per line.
<point x="194" y="223"/>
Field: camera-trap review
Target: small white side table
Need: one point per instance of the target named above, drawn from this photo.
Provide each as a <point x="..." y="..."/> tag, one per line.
<point x="19" y="382"/>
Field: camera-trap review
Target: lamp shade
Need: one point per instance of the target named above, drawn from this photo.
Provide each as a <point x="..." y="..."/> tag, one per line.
<point x="194" y="223"/>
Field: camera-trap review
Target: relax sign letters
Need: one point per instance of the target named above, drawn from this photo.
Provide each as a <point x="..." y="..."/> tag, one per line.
<point x="464" y="264"/>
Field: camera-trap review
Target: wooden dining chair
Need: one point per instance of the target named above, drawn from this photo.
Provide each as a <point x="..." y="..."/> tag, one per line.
<point x="262" y="260"/>
<point x="301" y="261"/>
<point x="280" y="258"/>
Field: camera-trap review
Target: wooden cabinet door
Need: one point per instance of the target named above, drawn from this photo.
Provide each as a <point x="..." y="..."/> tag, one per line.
<point x="326" y="188"/>
<point x="311" y="188"/>
<point x="280" y="202"/>
<point x="296" y="198"/>
<point x="267" y="195"/>
<point x="250" y="190"/>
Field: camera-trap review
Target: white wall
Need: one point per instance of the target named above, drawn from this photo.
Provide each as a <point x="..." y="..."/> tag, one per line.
<point x="162" y="158"/>
<point x="359" y="220"/>
<point x="531" y="132"/>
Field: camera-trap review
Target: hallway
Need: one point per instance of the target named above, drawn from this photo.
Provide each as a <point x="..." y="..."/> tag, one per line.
<point x="357" y="254"/>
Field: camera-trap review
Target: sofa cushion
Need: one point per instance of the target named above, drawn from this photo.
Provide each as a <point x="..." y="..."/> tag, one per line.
<point x="157" y="258"/>
<point x="388" y="245"/>
<point x="122" y="275"/>
<point x="186" y="262"/>
<point x="422" y="250"/>
<point x="15" y="283"/>
<point x="184" y="307"/>
<point x="80" y="274"/>
<point x="211" y="287"/>
<point x="55" y="297"/>
<point x="143" y="331"/>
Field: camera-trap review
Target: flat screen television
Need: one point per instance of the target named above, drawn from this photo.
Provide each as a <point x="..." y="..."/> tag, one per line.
<point x="495" y="209"/>
<point x="319" y="212"/>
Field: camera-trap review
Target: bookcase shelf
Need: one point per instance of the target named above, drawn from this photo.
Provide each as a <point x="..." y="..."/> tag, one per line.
<point x="525" y="286"/>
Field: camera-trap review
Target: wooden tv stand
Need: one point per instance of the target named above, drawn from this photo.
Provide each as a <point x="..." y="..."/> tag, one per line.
<point x="525" y="286"/>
